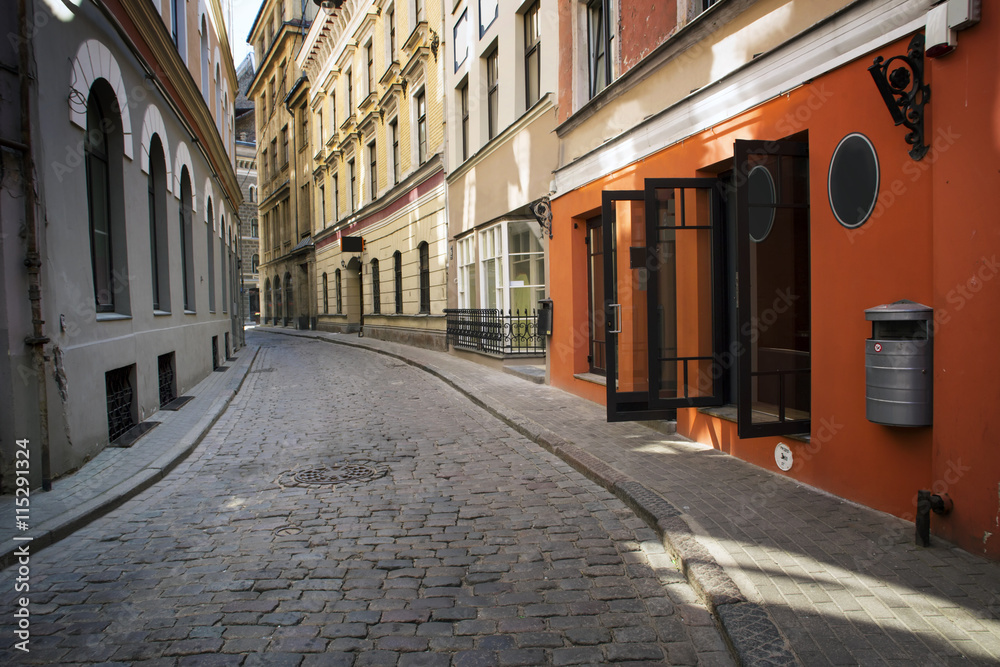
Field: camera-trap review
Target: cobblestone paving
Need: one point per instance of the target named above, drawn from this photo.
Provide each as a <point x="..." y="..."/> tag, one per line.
<point x="471" y="546"/>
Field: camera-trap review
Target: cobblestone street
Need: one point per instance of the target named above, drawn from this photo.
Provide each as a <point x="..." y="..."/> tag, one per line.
<point x="452" y="540"/>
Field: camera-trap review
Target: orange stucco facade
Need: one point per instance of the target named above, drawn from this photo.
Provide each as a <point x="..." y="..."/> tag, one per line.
<point x="933" y="238"/>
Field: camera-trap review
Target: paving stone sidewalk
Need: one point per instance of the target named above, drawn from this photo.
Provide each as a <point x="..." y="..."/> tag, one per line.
<point x="117" y="474"/>
<point x="792" y="574"/>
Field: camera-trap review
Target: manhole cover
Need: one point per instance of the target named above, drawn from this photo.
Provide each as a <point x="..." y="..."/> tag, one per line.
<point x="285" y="531"/>
<point x="335" y="473"/>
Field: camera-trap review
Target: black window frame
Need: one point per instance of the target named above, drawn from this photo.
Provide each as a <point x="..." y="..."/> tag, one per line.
<point x="373" y="169"/>
<point x="463" y="97"/>
<point x="339" y="292"/>
<point x="493" y="92"/>
<point x="423" y="250"/>
<point x="376" y="287"/>
<point x="326" y="294"/>
<point x="98" y="174"/>
<point x="532" y="53"/>
<point x="397" y="270"/>
<point x="394" y="133"/>
<point x="599" y="55"/>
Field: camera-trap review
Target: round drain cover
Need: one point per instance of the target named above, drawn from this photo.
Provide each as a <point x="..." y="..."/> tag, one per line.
<point x="337" y="473"/>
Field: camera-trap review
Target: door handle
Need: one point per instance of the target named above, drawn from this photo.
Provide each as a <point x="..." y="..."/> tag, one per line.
<point x="616" y="327"/>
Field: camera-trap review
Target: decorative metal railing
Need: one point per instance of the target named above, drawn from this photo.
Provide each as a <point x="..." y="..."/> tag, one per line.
<point x="492" y="331"/>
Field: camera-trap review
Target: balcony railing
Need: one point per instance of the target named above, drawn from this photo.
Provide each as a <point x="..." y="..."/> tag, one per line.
<point x="491" y="331"/>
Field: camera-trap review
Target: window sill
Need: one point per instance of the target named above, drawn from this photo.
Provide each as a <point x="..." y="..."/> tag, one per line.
<point x="593" y="378"/>
<point x="110" y="317"/>
<point x="160" y="313"/>
<point x="190" y="312"/>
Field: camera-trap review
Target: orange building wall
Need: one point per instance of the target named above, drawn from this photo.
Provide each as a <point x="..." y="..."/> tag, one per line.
<point x="964" y="178"/>
<point x="934" y="228"/>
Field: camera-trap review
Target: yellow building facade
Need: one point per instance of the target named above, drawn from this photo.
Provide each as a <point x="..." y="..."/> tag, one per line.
<point x="283" y="165"/>
<point x="374" y="72"/>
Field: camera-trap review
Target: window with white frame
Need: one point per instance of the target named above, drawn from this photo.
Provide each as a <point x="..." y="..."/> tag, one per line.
<point x="394" y="138"/>
<point x="390" y="36"/>
<point x="421" y="103"/>
<point x="511" y="266"/>
<point x="370" y="67"/>
<point x="526" y="261"/>
<point x="467" y="272"/>
<point x="491" y="266"/>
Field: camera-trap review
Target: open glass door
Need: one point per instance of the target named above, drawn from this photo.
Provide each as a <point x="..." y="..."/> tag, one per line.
<point x="773" y="288"/>
<point x="662" y="270"/>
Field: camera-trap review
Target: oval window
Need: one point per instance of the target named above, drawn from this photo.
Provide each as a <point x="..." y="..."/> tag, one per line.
<point x="762" y="198"/>
<point x="853" y="180"/>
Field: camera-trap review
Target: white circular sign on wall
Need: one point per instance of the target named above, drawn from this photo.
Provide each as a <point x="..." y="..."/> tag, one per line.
<point x="783" y="456"/>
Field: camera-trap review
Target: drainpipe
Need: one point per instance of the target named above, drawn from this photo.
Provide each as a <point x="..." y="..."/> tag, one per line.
<point x="32" y="260"/>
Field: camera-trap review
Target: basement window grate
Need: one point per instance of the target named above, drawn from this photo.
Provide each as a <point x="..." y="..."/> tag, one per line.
<point x="121" y="396"/>
<point x="165" y="365"/>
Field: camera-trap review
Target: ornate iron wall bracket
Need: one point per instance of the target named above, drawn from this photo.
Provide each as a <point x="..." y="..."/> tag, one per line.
<point x="542" y="210"/>
<point x="904" y="92"/>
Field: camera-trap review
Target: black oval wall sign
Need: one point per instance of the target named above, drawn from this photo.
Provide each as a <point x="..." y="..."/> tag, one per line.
<point x="854" y="180"/>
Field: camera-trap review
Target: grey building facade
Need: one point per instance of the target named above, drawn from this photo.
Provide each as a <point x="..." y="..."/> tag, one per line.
<point x="118" y="209"/>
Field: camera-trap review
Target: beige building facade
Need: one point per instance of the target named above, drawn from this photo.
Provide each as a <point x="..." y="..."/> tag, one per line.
<point x="502" y="150"/>
<point x="282" y="164"/>
<point x="374" y="71"/>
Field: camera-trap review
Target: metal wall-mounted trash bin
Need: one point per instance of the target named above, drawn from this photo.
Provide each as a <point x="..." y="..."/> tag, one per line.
<point x="545" y="317"/>
<point x="899" y="370"/>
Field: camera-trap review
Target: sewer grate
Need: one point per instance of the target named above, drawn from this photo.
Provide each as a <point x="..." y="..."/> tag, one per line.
<point x="344" y="472"/>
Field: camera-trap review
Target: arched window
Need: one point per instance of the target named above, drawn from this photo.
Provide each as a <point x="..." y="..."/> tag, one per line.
<point x="223" y="265"/>
<point x="340" y="302"/>
<point x="217" y="87"/>
<point x="105" y="199"/>
<point x="397" y="279"/>
<point x="267" y="300"/>
<point x="289" y="299"/>
<point x="279" y="311"/>
<point x="254" y="263"/>
<point x="204" y="58"/>
<point x="158" y="255"/>
<point x="376" y="289"/>
<point x="209" y="224"/>
<point x="425" y="277"/>
<point x="326" y="296"/>
<point x="187" y="240"/>
<point x="253" y="195"/>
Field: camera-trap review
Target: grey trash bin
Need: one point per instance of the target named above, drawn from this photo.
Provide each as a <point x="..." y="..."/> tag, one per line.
<point x="899" y="371"/>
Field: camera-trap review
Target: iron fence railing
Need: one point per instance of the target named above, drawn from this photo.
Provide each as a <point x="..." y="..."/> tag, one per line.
<point x="492" y="331"/>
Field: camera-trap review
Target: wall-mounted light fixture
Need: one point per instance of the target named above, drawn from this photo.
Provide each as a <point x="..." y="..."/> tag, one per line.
<point x="904" y="92"/>
<point x="542" y="210"/>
